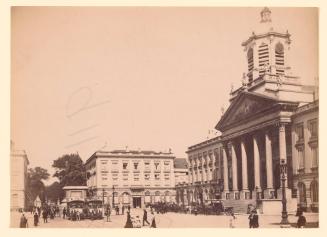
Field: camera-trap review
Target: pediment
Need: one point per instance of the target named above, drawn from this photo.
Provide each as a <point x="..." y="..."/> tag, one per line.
<point x="243" y="107"/>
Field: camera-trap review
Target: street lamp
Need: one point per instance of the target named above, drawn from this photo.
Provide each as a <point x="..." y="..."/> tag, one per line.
<point x="113" y="196"/>
<point x="283" y="173"/>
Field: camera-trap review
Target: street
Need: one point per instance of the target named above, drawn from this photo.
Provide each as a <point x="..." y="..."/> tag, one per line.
<point x="168" y="220"/>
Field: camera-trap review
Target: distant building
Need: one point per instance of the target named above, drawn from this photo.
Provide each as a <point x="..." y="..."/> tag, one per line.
<point x="18" y="178"/>
<point x="305" y="155"/>
<point x="134" y="178"/>
<point x="205" y="171"/>
<point x="181" y="171"/>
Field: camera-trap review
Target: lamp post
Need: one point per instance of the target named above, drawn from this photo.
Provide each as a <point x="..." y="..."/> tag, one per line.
<point x="283" y="173"/>
<point x="113" y="196"/>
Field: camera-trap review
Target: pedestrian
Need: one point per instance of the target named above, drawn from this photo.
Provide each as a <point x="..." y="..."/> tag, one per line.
<point x="23" y="221"/>
<point x="36" y="218"/>
<point x="108" y="213"/>
<point x="129" y="208"/>
<point x="117" y="210"/>
<point x="123" y="210"/>
<point x="254" y="219"/>
<point x="145" y="217"/>
<point x="153" y="222"/>
<point x="301" y="221"/>
<point x="232" y="220"/>
<point x="45" y="216"/>
<point x="78" y="215"/>
<point x="64" y="212"/>
<point x="129" y="223"/>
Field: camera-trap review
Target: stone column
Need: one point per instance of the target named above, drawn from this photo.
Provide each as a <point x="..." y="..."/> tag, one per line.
<point x="244" y="172"/>
<point x="234" y="169"/>
<point x="269" y="166"/>
<point x="256" y="158"/>
<point x="226" y="188"/>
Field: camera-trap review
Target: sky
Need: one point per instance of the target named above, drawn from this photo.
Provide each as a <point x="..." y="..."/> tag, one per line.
<point x="151" y="78"/>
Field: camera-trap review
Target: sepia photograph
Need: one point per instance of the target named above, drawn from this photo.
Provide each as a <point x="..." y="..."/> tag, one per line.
<point x="164" y="117"/>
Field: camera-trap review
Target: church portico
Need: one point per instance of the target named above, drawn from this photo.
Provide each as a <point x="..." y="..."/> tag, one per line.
<point x="254" y="167"/>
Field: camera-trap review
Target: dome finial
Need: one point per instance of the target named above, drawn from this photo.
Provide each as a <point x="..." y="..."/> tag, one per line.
<point x="265" y="15"/>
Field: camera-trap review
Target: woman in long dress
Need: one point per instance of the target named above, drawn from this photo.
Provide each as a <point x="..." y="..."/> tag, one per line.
<point x="129" y="223"/>
<point x="153" y="222"/>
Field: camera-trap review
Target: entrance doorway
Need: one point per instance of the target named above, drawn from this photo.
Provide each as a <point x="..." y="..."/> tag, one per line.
<point x="137" y="202"/>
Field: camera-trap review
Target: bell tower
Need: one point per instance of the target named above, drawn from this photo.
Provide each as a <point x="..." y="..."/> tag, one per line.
<point x="267" y="52"/>
<point x="268" y="70"/>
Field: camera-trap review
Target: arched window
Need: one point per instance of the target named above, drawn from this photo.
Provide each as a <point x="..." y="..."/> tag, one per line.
<point x="125" y="198"/>
<point x="147" y="197"/>
<point x="279" y="58"/>
<point x="263" y="55"/>
<point x="314" y="191"/>
<point x="157" y="196"/>
<point x="302" y="195"/>
<point x="250" y="63"/>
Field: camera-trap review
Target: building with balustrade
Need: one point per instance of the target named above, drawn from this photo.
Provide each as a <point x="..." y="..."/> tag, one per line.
<point x="131" y="178"/>
<point x="268" y="136"/>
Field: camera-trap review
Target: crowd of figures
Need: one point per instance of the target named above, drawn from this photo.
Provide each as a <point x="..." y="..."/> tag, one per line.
<point x="134" y="221"/>
<point x="46" y="212"/>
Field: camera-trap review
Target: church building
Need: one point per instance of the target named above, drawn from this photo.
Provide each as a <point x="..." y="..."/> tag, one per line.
<point x="269" y="133"/>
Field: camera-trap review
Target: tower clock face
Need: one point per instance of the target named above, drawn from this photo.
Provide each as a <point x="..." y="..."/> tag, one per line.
<point x="279" y="48"/>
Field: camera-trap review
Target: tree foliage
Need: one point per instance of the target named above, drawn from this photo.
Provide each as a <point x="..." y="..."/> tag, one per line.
<point x="70" y="170"/>
<point x="54" y="191"/>
<point x="35" y="185"/>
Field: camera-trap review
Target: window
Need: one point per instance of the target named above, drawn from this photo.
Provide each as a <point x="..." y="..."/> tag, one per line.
<point x="136" y="177"/>
<point x="136" y="165"/>
<point x="279" y="57"/>
<point x="313" y="128"/>
<point x="263" y="58"/>
<point x="147" y="165"/>
<point x="250" y="63"/>
<point x="147" y="176"/>
<point x="314" y="157"/>
<point x="167" y="176"/>
<point x="314" y="191"/>
<point x="299" y="132"/>
<point x="157" y="165"/>
<point x="125" y="165"/>
<point x="157" y="176"/>
<point x="301" y="157"/>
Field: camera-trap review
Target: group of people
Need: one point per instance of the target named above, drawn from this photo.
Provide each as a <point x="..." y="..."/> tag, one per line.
<point x="135" y="221"/>
<point x="45" y="212"/>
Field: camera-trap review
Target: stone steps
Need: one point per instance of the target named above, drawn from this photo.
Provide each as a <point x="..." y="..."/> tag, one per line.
<point x="239" y="206"/>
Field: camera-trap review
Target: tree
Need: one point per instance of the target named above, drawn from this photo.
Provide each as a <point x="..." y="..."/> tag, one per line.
<point x="54" y="191"/>
<point x="70" y="171"/>
<point x="35" y="185"/>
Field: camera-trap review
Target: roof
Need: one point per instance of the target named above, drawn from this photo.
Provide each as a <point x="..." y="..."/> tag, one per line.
<point x="180" y="163"/>
<point x="131" y="154"/>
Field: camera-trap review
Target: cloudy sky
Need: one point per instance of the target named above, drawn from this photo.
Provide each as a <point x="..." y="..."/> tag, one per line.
<point x="85" y="79"/>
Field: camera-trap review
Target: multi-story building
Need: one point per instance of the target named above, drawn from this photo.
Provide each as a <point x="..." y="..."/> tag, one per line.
<point x="205" y="171"/>
<point x="305" y="155"/>
<point x="134" y="178"/>
<point x="18" y="178"/>
<point x="181" y="179"/>
<point x="269" y="135"/>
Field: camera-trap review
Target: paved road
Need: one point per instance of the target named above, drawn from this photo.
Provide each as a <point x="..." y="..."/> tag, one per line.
<point x="169" y="220"/>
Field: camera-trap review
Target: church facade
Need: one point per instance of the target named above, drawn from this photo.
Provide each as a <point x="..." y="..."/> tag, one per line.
<point x="269" y="133"/>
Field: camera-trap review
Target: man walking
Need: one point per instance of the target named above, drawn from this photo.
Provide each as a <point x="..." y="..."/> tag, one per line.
<point x="108" y="213"/>
<point x="145" y="217"/>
